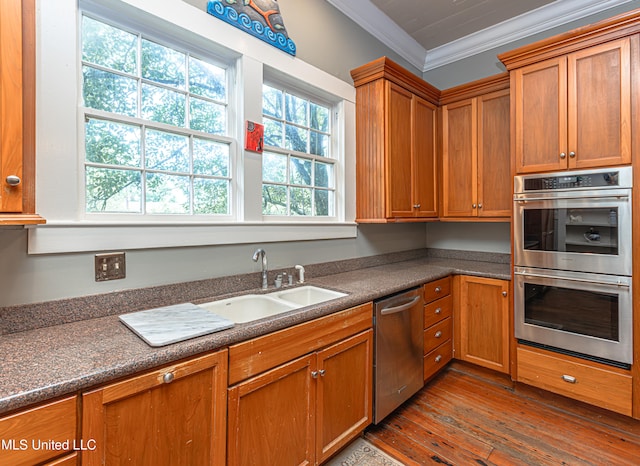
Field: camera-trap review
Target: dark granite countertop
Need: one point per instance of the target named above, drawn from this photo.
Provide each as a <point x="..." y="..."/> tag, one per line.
<point x="49" y="362"/>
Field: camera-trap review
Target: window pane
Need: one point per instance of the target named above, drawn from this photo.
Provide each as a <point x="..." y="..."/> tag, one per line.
<point x="300" y="201"/>
<point x="274" y="200"/>
<point x="272" y="102"/>
<point x="300" y="171"/>
<point x="273" y="132"/>
<point x="162" y="105"/>
<point x="210" y="157"/>
<point x="207" y="80"/>
<point x="109" y="92"/>
<point x="112" y="143"/>
<point x="296" y="110"/>
<point x="323" y="175"/>
<point x="163" y="65"/>
<point x="210" y="196"/>
<point x="274" y="167"/>
<point x="108" y="46"/>
<point x="167" y="151"/>
<point x="323" y="202"/>
<point x="206" y="116"/>
<point x="319" y="118"/>
<point x="167" y="194"/>
<point x="296" y="139"/>
<point x="111" y="190"/>
<point x="319" y="144"/>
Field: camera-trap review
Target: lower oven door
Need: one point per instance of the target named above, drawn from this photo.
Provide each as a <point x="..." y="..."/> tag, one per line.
<point x="585" y="313"/>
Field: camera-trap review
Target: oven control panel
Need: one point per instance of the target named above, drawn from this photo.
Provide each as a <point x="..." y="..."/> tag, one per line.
<point x="572" y="181"/>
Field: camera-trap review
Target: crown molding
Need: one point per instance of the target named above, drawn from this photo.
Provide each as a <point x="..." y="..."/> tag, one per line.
<point x="555" y="14"/>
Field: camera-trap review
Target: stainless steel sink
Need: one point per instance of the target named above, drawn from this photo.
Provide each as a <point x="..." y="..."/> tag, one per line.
<point x="246" y="308"/>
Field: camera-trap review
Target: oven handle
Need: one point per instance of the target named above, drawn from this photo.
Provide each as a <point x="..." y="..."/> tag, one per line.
<point x="570" y="279"/>
<point x="622" y="197"/>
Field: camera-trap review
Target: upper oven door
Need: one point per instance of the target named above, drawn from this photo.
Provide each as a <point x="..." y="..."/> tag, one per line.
<point x="589" y="231"/>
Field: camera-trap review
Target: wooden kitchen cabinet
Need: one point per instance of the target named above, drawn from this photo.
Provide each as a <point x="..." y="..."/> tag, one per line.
<point x="173" y="415"/>
<point x="309" y="394"/>
<point x="573" y="111"/>
<point x="17" y="113"/>
<point x="38" y="435"/>
<point x="476" y="162"/>
<point x="481" y="319"/>
<point x="396" y="167"/>
<point x="438" y="326"/>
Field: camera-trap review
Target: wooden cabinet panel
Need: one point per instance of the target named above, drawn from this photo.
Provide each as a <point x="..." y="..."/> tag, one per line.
<point x="483" y="322"/>
<point x="23" y="433"/>
<point x="437" y="289"/>
<point x="399" y="152"/>
<point x="574" y="111"/>
<point x="593" y="383"/>
<point x="425" y="117"/>
<point x="174" y="415"/>
<point x="345" y="393"/>
<point x="437" y="359"/>
<point x="69" y="460"/>
<point x="437" y="334"/>
<point x="272" y="416"/>
<point x="437" y="310"/>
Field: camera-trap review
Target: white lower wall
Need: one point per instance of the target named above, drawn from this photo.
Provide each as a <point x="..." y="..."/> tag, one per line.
<point x="467" y="236"/>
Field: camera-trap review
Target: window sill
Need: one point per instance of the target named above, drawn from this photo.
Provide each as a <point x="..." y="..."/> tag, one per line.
<point x="83" y="236"/>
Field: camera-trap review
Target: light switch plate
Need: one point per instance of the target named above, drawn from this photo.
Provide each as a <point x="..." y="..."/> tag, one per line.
<point x="111" y="266"/>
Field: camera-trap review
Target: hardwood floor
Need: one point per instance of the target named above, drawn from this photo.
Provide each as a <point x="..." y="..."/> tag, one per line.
<point x="470" y="416"/>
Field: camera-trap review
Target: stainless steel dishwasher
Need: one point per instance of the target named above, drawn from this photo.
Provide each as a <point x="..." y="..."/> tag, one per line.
<point x="398" y="343"/>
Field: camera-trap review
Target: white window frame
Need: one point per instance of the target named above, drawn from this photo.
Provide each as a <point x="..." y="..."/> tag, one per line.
<point x="58" y="131"/>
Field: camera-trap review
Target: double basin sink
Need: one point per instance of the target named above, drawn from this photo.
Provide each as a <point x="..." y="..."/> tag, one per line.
<point x="246" y="308"/>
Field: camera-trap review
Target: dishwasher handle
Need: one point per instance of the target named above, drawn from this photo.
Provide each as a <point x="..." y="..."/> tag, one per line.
<point x="403" y="307"/>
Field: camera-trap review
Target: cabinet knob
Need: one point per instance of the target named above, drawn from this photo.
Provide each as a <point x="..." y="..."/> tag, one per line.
<point x="569" y="378"/>
<point x="473" y="205"/>
<point x="13" y="180"/>
<point x="314" y="374"/>
<point x="563" y="155"/>
<point x="438" y="289"/>
<point x="438" y="310"/>
<point x="322" y="372"/>
<point x="439" y="358"/>
<point x="438" y="334"/>
<point x="572" y="154"/>
<point x="479" y="206"/>
<point x="504" y="293"/>
<point x="168" y="377"/>
<point x="416" y="206"/>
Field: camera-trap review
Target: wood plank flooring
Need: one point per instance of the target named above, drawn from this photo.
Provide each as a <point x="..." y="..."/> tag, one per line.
<point x="471" y="416"/>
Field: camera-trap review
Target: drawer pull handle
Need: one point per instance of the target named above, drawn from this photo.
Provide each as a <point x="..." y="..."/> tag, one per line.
<point x="168" y="377"/>
<point x="438" y="310"/>
<point x="13" y="180"/>
<point x="569" y="378"/>
<point x="438" y="334"/>
<point x="438" y="289"/>
<point x="439" y="358"/>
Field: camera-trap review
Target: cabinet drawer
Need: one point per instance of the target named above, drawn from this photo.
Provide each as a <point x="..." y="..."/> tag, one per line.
<point x="437" y="334"/>
<point x="27" y="433"/>
<point x="592" y="383"/>
<point x="437" y="289"/>
<point x="437" y="359"/>
<point x="437" y="310"/>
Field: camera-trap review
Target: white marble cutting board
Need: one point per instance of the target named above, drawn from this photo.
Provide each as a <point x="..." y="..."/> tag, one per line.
<point x="165" y="325"/>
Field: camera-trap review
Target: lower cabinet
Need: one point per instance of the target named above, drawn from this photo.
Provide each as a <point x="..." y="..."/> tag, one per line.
<point x="438" y="326"/>
<point x="481" y="319"/>
<point x="174" y="415"/>
<point x="38" y="435"/>
<point x="303" y="410"/>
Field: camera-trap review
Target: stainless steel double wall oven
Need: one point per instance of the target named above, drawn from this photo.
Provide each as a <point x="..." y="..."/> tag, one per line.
<point x="573" y="260"/>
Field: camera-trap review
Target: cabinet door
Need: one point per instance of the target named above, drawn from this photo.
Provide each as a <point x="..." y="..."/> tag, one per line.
<point x="424" y="158"/>
<point x="600" y="105"/>
<point x="345" y="384"/>
<point x="540" y="106"/>
<point x="398" y="149"/>
<point x="11" y="138"/>
<point x="271" y="417"/>
<point x="174" y="415"/>
<point x="483" y="319"/>
<point x="494" y="155"/>
<point x="459" y="159"/>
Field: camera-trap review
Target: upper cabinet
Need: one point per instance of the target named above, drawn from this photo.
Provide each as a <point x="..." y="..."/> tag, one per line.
<point x="476" y="168"/>
<point x="572" y="98"/>
<point x="17" y="113"/>
<point x="396" y="121"/>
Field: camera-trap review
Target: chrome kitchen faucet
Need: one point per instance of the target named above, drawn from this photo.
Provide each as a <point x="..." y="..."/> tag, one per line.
<point x="256" y="255"/>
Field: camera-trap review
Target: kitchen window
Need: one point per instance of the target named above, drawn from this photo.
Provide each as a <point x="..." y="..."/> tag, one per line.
<point x="298" y="167"/>
<point x="155" y="127"/>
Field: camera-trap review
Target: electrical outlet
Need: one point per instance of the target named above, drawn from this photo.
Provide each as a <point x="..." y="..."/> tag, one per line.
<point x="111" y="266"/>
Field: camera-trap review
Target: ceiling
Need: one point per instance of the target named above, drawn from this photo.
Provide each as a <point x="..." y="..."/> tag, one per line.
<point x="432" y="33"/>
